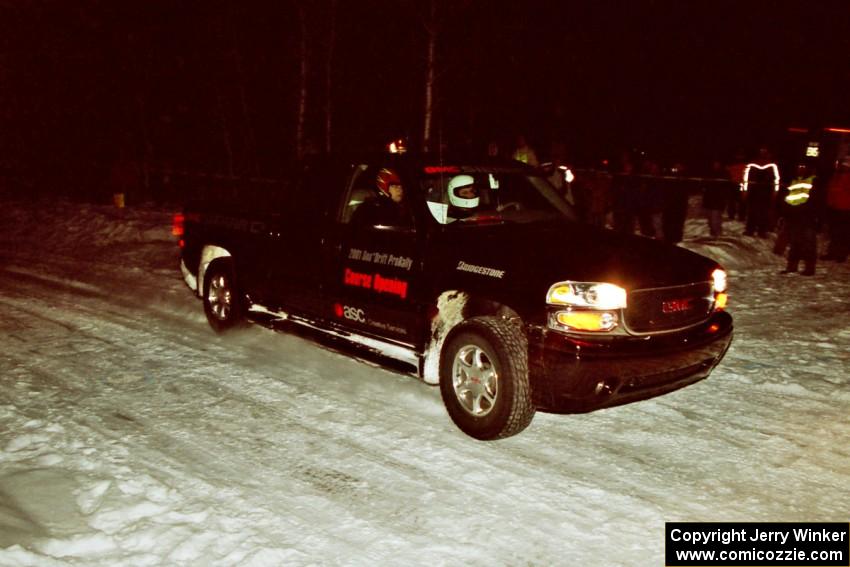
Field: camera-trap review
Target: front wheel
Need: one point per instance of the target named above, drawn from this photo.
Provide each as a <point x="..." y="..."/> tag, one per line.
<point x="223" y="305"/>
<point x="484" y="378"/>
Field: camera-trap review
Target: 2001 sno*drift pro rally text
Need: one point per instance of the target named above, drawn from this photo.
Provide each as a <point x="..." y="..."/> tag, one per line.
<point x="477" y="274"/>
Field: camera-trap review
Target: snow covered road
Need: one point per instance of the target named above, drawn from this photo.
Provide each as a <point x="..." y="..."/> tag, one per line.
<point x="130" y="434"/>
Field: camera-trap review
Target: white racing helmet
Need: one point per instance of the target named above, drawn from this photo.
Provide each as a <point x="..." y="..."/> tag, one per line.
<point x="457" y="183"/>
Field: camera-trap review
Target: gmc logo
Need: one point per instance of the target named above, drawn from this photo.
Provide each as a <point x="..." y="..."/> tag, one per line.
<point x="675" y="306"/>
<point x="350" y="313"/>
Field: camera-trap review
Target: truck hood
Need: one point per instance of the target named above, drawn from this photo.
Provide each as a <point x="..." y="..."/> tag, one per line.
<point x="538" y="255"/>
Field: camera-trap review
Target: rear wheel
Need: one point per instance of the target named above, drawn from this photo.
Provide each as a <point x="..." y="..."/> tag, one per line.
<point x="484" y="378"/>
<point x="223" y="305"/>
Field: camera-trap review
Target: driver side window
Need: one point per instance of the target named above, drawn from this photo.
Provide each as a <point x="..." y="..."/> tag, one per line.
<point x="361" y="189"/>
<point x="375" y="197"/>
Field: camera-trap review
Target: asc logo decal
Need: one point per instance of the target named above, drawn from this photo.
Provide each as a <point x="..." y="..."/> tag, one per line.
<point x="350" y="313"/>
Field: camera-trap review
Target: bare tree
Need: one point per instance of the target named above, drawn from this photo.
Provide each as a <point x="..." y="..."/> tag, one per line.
<point x="225" y="132"/>
<point x="249" y="141"/>
<point x="328" y="75"/>
<point x="302" y="92"/>
<point x="430" y="74"/>
<point x="140" y="66"/>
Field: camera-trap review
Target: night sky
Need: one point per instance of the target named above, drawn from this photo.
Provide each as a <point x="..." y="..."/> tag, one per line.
<point x="213" y="86"/>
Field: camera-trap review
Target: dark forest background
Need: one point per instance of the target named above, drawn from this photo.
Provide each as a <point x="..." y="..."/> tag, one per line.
<point x="215" y="87"/>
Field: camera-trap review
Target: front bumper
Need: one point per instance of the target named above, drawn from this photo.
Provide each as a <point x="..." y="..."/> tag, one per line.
<point x="572" y="375"/>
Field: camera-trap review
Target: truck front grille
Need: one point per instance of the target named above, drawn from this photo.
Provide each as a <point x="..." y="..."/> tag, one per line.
<point x="668" y="308"/>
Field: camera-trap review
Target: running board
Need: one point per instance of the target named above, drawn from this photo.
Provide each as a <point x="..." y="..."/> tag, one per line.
<point x="281" y="315"/>
<point x="397" y="351"/>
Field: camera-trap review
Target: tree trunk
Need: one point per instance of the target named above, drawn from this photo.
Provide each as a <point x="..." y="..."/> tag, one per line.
<point x="252" y="165"/>
<point x="431" y="64"/>
<point x="328" y="76"/>
<point x="225" y="133"/>
<point x="302" y="92"/>
<point x="147" y="149"/>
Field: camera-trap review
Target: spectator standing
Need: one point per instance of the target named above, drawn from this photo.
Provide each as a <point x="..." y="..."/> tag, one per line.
<point x="625" y="192"/>
<point x="737" y="202"/>
<point x="559" y="173"/>
<point x="493" y="149"/>
<point x="524" y="152"/>
<point x="761" y="182"/>
<point x="780" y="245"/>
<point x="596" y="192"/>
<point x="799" y="208"/>
<point x="675" y="206"/>
<point x="716" y="193"/>
<point x="651" y="199"/>
<point x="838" y="201"/>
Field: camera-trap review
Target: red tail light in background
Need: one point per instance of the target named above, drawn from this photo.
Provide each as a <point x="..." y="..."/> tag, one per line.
<point x="177" y="224"/>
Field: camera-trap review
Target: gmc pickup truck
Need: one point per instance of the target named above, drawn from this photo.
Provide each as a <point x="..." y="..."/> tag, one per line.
<point x="475" y="272"/>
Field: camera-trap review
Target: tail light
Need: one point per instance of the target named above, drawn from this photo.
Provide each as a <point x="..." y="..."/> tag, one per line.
<point x="177" y="228"/>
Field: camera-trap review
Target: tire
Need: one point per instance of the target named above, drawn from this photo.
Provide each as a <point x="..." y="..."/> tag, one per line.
<point x="484" y="378"/>
<point x="223" y="305"/>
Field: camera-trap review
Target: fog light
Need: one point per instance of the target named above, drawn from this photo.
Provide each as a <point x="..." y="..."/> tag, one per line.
<point x="587" y="320"/>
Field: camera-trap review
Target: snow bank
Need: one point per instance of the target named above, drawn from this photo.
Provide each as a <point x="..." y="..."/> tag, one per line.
<point x="64" y="225"/>
<point x="130" y="434"/>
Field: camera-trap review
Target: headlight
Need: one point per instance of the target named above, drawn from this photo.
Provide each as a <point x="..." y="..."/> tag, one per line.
<point x="718" y="278"/>
<point x="719" y="283"/>
<point x="585" y="294"/>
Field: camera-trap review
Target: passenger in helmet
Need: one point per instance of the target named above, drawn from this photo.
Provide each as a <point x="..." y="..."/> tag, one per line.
<point x="388" y="207"/>
<point x="389" y="185"/>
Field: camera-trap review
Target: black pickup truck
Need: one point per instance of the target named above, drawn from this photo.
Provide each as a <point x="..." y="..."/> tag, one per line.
<point x="474" y="271"/>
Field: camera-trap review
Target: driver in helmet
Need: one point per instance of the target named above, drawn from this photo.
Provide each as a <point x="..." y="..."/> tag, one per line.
<point x="463" y="194"/>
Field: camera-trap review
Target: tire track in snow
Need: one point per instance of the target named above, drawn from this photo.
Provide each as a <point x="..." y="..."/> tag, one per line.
<point x="322" y="477"/>
<point x="423" y="470"/>
<point x="629" y="459"/>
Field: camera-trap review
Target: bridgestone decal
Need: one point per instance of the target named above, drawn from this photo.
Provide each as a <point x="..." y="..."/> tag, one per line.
<point x="482" y="270"/>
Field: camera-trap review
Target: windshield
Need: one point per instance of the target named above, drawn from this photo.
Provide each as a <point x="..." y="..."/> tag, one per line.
<point x="485" y="195"/>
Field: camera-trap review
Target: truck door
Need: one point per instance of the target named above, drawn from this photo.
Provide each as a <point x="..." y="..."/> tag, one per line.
<point x="299" y="257"/>
<point x="257" y="241"/>
<point x="373" y="289"/>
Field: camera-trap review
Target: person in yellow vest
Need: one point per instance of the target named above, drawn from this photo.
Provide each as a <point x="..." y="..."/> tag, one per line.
<point x="800" y="210"/>
<point x="524" y="152"/>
